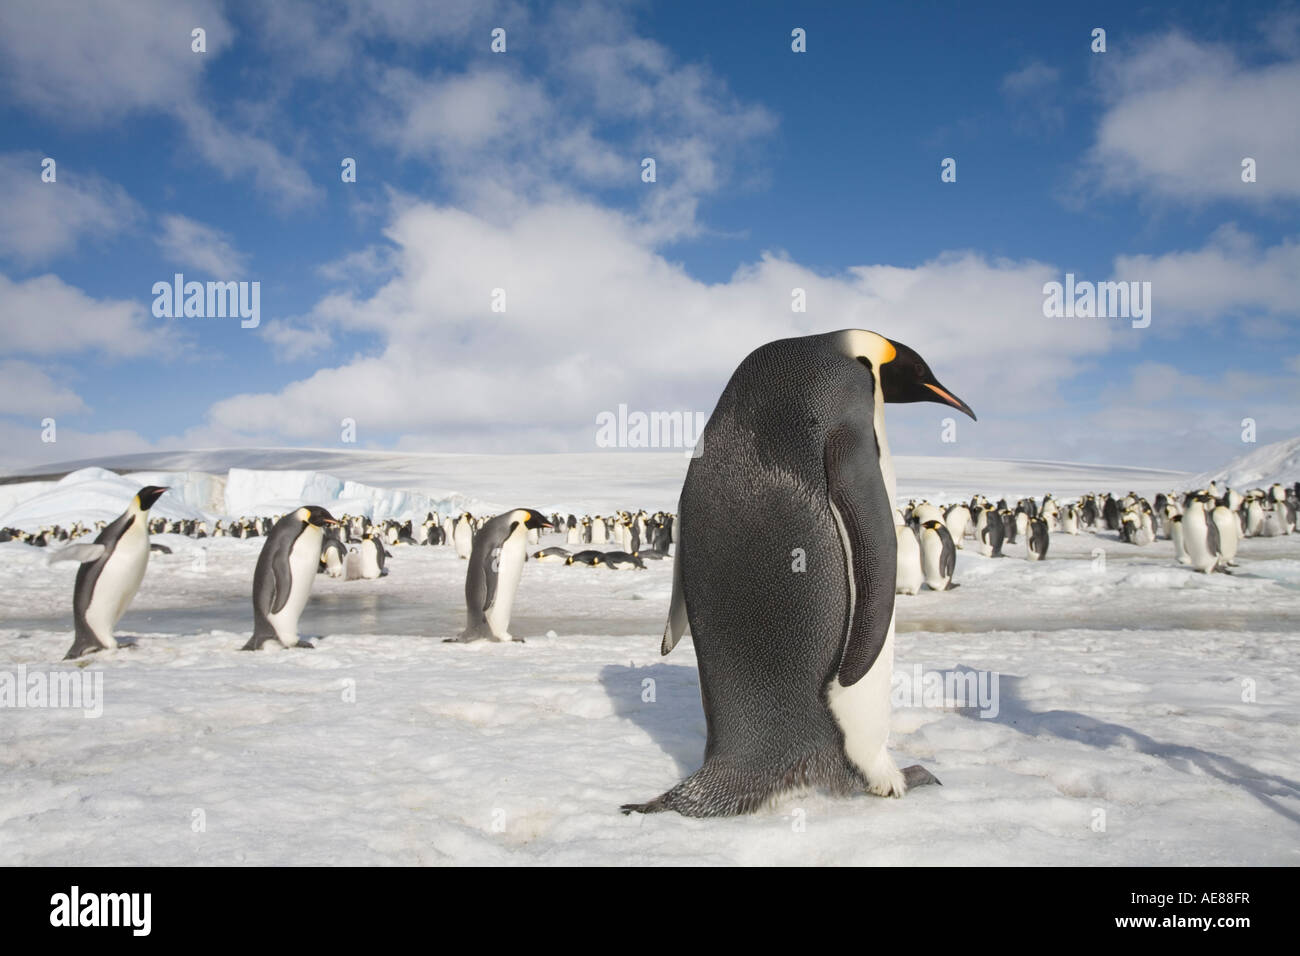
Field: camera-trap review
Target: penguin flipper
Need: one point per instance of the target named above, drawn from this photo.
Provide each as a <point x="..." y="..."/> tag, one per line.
<point x="81" y="553"/>
<point x="282" y="579"/>
<point x="678" y="623"/>
<point x="861" y="507"/>
<point x="490" y="570"/>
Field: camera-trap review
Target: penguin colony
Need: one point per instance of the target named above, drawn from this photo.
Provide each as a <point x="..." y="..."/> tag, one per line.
<point x="794" y="668"/>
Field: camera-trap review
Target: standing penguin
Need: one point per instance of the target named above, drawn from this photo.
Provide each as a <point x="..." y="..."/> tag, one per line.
<point x="285" y="572"/>
<point x="463" y="535"/>
<point x="957" y="518"/>
<point x="1036" y="539"/>
<point x="332" y="556"/>
<point x="938" y="555"/>
<point x="371" y="557"/>
<point x="1200" y="537"/>
<point x="909" y="576"/>
<point x="497" y="563"/>
<point x="110" y="574"/>
<point x="1229" y="532"/>
<point x="795" y="668"/>
<point x="992" y="532"/>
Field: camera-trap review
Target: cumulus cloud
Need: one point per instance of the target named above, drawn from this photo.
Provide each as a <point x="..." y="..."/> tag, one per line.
<point x="189" y="243"/>
<point x="42" y="220"/>
<point x="46" y="316"/>
<point x="134" y="57"/>
<point x="1230" y="276"/>
<point x="1181" y="115"/>
<point x="30" y="391"/>
<point x="594" y="317"/>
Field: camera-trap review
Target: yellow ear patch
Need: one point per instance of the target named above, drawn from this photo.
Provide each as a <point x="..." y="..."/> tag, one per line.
<point x="872" y="346"/>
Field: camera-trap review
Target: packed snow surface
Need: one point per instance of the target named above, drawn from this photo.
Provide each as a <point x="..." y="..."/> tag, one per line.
<point x="1142" y="713"/>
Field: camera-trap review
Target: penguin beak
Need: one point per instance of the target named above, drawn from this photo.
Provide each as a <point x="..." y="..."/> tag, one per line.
<point x="948" y="398"/>
<point x="907" y="378"/>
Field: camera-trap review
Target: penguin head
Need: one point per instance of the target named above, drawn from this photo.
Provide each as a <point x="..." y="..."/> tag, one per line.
<point x="316" y="516"/>
<point x="146" y="496"/>
<point x="904" y="375"/>
<point x="533" y="519"/>
<point x="907" y="378"/>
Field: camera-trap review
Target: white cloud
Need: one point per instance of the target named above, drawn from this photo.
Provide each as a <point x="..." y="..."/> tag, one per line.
<point x="192" y="244"/>
<point x="1181" y="115"/>
<point x="1034" y="93"/>
<point x="25" y="451"/>
<point x="46" y="316"/>
<point x="30" y="391"/>
<point x="1230" y="274"/>
<point x="42" y="220"/>
<point x="90" y="68"/>
<point x="595" y="317"/>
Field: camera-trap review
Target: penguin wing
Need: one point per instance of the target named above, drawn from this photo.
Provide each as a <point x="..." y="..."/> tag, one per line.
<point x="947" y="554"/>
<point x="81" y="553"/>
<point x="860" y="504"/>
<point x="491" y="562"/>
<point x="1212" y="537"/>
<point x="280" y="573"/>
<point x="678" y="623"/>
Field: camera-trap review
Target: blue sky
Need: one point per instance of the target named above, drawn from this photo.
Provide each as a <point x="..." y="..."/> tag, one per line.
<point x="521" y="170"/>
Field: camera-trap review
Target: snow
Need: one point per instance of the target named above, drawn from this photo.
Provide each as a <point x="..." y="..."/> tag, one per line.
<point x="1278" y="462"/>
<point x="228" y="483"/>
<point x="1145" y="714"/>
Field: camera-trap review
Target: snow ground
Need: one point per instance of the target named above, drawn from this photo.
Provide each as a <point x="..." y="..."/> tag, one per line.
<point x="1120" y="691"/>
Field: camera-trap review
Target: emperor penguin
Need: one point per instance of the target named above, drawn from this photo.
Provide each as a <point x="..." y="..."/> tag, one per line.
<point x="1229" y="529"/>
<point x="112" y="568"/>
<point x="1254" y="518"/>
<point x="957" y="518"/>
<point x="795" y="658"/>
<point x="938" y="555"/>
<point x="1176" y="536"/>
<point x="1070" y="520"/>
<point x="1036" y="539"/>
<point x="1200" y="537"/>
<point x="463" y="536"/>
<point x="495" y="567"/>
<point x="332" y="556"/>
<point x="909" y="577"/>
<point x="371" y="555"/>
<point x="285" y="572"/>
<point x="992" y="534"/>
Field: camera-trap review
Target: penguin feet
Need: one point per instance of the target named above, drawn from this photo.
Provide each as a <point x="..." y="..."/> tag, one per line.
<point x="305" y="646"/>
<point x="918" y="776"/>
<point x="888" y="783"/>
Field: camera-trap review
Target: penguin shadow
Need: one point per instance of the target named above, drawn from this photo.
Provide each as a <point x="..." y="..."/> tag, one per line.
<point x="668" y="709"/>
<point x="1071" y="725"/>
